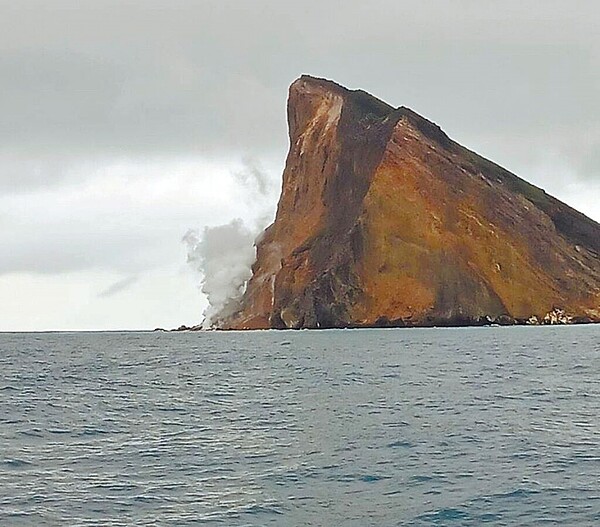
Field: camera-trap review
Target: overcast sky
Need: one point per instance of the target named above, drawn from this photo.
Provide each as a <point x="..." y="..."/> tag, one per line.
<point x="123" y="124"/>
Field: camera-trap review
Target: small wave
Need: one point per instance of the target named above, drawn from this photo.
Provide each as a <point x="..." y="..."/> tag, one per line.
<point x="365" y="478"/>
<point x="260" y="509"/>
<point x="514" y="494"/>
<point x="93" y="432"/>
<point x="16" y="463"/>
<point x="146" y="498"/>
<point x="422" y="478"/>
<point x="442" y="516"/>
<point x="371" y="478"/>
<point x="400" y="444"/>
<point x="34" y="432"/>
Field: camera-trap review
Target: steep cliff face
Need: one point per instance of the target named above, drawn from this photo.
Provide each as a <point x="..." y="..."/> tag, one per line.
<point x="384" y="220"/>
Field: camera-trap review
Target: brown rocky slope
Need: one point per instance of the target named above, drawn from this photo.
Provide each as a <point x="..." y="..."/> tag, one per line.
<point x="384" y="220"/>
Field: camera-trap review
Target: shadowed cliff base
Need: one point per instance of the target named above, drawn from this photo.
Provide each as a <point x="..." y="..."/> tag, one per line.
<point x="384" y="221"/>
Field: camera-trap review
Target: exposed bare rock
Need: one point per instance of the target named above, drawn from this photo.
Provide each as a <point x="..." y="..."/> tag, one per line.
<point x="383" y="220"/>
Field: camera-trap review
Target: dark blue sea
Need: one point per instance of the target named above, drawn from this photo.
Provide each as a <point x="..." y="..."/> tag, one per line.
<point x="409" y="427"/>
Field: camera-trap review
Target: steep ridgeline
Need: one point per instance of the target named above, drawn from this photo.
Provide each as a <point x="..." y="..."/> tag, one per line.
<point x="384" y="220"/>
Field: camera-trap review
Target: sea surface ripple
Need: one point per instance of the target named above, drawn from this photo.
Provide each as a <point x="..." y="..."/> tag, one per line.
<point x="421" y="427"/>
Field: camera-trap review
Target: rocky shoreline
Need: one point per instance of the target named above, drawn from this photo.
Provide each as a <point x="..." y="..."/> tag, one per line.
<point x="556" y="317"/>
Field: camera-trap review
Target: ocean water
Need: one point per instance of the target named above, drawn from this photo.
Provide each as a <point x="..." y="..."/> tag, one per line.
<point x="408" y="427"/>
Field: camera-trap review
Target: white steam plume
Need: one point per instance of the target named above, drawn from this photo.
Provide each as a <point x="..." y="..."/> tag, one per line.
<point x="223" y="255"/>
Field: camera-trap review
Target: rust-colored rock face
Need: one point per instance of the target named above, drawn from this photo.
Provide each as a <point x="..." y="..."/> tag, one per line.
<point x="383" y="220"/>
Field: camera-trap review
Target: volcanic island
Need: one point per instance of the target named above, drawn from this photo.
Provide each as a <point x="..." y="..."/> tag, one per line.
<point x="384" y="221"/>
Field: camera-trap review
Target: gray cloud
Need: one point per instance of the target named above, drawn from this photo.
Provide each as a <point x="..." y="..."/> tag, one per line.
<point x="119" y="286"/>
<point x="124" y="122"/>
<point x="84" y="85"/>
<point x="211" y="76"/>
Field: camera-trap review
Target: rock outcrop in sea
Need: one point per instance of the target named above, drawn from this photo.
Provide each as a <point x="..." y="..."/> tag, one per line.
<point x="384" y="220"/>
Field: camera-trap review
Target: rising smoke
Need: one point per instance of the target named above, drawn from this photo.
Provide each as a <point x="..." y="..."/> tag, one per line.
<point x="223" y="255"/>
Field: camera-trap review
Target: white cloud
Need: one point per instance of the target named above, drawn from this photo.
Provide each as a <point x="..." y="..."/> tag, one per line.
<point x="165" y="297"/>
<point x="125" y="216"/>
